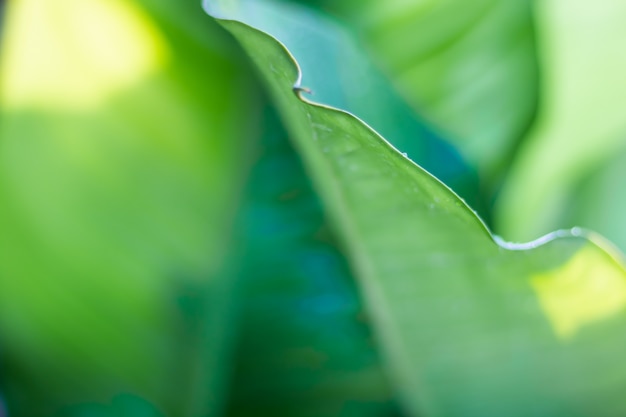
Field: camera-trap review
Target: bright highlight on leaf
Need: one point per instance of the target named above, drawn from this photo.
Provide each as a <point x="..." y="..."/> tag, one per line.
<point x="105" y="47"/>
<point x="588" y="288"/>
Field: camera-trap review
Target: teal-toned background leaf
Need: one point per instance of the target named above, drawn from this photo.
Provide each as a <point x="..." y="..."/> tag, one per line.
<point x="122" y="155"/>
<point x="469" y="66"/>
<point x="470" y="327"/>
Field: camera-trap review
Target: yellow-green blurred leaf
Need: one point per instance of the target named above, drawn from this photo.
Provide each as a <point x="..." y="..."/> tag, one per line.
<point x="122" y="154"/>
<point x="581" y="121"/>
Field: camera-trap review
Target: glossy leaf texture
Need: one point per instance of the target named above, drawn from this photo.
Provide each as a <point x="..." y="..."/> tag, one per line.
<point x="581" y="123"/>
<point x="119" y="127"/>
<point x="470" y="327"/>
<point x="305" y="345"/>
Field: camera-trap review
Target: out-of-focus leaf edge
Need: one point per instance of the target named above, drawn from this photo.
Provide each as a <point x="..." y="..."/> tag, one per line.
<point x="575" y="232"/>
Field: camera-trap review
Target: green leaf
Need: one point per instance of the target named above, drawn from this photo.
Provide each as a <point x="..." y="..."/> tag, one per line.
<point x="581" y="121"/>
<point x="469" y="66"/>
<point x="337" y="73"/>
<point x="305" y="347"/>
<point x="120" y="124"/>
<point x="469" y="327"/>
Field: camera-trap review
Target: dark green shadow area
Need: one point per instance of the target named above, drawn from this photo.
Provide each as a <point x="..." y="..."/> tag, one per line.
<point x="305" y="348"/>
<point x="124" y="405"/>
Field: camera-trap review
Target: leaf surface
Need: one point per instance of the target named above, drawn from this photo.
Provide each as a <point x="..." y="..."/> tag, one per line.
<point x="469" y="326"/>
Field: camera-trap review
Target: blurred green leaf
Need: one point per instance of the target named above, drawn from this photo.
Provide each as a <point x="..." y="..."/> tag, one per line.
<point x="121" y="406"/>
<point x="596" y="202"/>
<point x="581" y="120"/>
<point x="470" y="327"/>
<point x="122" y="158"/>
<point x="469" y="66"/>
<point x="305" y="347"/>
